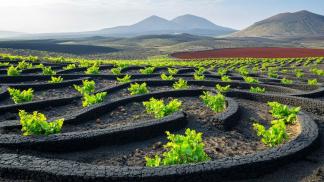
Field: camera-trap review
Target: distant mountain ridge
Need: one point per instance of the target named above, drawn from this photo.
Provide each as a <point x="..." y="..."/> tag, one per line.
<point x="189" y="24"/>
<point x="301" y="24"/>
<point x="153" y="25"/>
<point x="8" y="34"/>
<point x="297" y="24"/>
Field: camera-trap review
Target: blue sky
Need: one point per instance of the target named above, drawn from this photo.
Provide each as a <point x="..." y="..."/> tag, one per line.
<point x="36" y="16"/>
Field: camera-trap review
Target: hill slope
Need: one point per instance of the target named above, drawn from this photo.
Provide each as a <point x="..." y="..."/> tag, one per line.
<point x="298" y="24"/>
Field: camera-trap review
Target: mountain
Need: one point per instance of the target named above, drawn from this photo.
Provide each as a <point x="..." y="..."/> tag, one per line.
<point x="200" y="26"/>
<point x="9" y="34"/>
<point x="151" y="24"/>
<point x="298" y="24"/>
<point x="155" y="25"/>
<point x="194" y="22"/>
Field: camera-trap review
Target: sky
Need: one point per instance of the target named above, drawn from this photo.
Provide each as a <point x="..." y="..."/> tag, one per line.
<point x="40" y="16"/>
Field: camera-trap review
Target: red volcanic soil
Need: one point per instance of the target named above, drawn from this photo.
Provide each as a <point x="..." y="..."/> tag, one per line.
<point x="251" y="53"/>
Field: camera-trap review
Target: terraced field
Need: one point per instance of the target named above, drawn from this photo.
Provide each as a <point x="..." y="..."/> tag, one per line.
<point x="121" y="137"/>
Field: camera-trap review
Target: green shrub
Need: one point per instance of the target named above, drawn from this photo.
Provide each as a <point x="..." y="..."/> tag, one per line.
<point x="312" y="82"/>
<point x="39" y="66"/>
<point x="48" y="71"/>
<point x="37" y="124"/>
<point x="89" y="100"/>
<point x="4" y="63"/>
<point x="250" y="80"/>
<point x="24" y="65"/>
<point x="285" y="71"/>
<point x="216" y="103"/>
<point x="136" y="89"/>
<point x="281" y="111"/>
<point x="116" y="71"/>
<point x="255" y="69"/>
<point x="273" y="74"/>
<point x="56" y="79"/>
<point x="273" y="136"/>
<point x="257" y="90"/>
<point x="122" y="65"/>
<point x="316" y="71"/>
<point x="21" y="96"/>
<point x="222" y="89"/>
<point x="85" y="64"/>
<point x="200" y="71"/>
<point x="125" y="79"/>
<point x="198" y="76"/>
<point x="69" y="67"/>
<point x="319" y="72"/>
<point x="212" y="68"/>
<point x="243" y="71"/>
<point x="32" y="58"/>
<point x="148" y="70"/>
<point x="181" y="149"/>
<point x="222" y="71"/>
<point x="264" y="66"/>
<point x="165" y="77"/>
<point x="180" y="84"/>
<point x="86" y="88"/>
<point x="299" y="73"/>
<point x="226" y="79"/>
<point x="13" y="71"/>
<point x="159" y="109"/>
<point x="173" y="71"/>
<point x="319" y="60"/>
<point x="93" y="70"/>
<point x="286" y="81"/>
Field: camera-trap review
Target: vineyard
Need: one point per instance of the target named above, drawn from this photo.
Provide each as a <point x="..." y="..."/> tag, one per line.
<point x="70" y="119"/>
